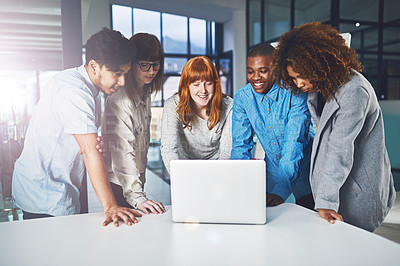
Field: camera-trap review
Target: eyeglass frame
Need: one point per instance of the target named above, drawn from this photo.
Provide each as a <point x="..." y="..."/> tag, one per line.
<point x="156" y="66"/>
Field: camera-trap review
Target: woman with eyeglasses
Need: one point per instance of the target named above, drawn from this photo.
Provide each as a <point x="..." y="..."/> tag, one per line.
<point x="197" y="121"/>
<point x="126" y="125"/>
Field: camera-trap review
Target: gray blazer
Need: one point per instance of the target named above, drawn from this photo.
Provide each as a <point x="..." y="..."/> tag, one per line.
<point x="350" y="169"/>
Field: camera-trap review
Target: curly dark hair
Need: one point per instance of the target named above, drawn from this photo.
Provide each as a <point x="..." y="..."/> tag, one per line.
<point x="110" y="48"/>
<point x="319" y="54"/>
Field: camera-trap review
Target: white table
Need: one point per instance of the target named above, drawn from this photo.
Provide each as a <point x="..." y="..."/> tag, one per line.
<point x="292" y="236"/>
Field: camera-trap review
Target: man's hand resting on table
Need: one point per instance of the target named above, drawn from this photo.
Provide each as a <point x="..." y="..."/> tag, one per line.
<point x="273" y="200"/>
<point x="151" y="206"/>
<point x="116" y="213"/>
<point x="330" y="215"/>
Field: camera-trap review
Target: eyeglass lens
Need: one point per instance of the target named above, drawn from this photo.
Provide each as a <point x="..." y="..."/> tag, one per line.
<point x="146" y="66"/>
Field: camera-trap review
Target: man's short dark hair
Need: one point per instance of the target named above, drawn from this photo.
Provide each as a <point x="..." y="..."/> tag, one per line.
<point x="261" y="49"/>
<point x="110" y="48"/>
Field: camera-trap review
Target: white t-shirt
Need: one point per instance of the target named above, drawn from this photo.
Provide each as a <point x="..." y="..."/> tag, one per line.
<point x="48" y="175"/>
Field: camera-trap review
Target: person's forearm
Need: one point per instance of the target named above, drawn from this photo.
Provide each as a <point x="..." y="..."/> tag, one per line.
<point x="98" y="176"/>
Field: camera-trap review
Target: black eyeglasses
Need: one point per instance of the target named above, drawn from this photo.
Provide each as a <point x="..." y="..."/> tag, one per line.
<point x="146" y="66"/>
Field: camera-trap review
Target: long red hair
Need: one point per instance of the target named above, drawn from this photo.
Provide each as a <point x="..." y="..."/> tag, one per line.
<point x="199" y="68"/>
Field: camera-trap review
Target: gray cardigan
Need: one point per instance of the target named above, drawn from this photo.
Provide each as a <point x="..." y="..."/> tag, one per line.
<point x="199" y="142"/>
<point x="350" y="168"/>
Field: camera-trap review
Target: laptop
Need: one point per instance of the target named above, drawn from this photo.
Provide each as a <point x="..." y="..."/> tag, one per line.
<point x="218" y="191"/>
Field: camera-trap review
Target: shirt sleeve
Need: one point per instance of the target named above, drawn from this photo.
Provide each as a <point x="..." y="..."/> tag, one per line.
<point x="242" y="132"/>
<point x="170" y="126"/>
<point x="295" y="140"/>
<point x="118" y="132"/>
<point x="225" y="145"/>
<point x="338" y="160"/>
<point x="75" y="110"/>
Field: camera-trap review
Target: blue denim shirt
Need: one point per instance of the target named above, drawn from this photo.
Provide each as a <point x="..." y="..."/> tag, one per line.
<point x="281" y="122"/>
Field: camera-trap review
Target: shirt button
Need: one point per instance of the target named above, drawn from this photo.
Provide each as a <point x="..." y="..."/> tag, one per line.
<point x="265" y="96"/>
<point x="269" y="127"/>
<point x="274" y="143"/>
<point x="268" y="109"/>
<point x="278" y="158"/>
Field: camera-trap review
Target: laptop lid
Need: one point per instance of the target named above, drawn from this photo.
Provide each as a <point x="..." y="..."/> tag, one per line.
<point x="218" y="191"/>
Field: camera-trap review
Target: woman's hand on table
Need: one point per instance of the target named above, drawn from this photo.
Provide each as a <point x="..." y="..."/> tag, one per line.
<point x="151" y="206"/>
<point x="330" y="215"/>
<point x="118" y="213"/>
<point x="99" y="146"/>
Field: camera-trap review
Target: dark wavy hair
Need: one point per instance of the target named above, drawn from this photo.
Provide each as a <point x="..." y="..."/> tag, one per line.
<point x="109" y="48"/>
<point x="319" y="54"/>
<point x="199" y="68"/>
<point x="148" y="48"/>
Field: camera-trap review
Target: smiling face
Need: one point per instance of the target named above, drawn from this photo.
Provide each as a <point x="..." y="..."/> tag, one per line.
<point x="303" y="84"/>
<point x="106" y="80"/>
<point x="259" y="72"/>
<point x="201" y="92"/>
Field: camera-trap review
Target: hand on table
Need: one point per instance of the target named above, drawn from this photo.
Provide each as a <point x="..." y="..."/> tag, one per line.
<point x="117" y="213"/>
<point x="273" y="200"/>
<point x="151" y="206"/>
<point x="100" y="146"/>
<point x="330" y="215"/>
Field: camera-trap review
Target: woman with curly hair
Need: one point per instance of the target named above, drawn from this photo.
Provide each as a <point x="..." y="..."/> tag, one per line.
<point x="350" y="172"/>
<point x="197" y="121"/>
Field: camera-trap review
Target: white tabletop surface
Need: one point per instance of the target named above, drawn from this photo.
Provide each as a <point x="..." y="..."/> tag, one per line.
<point x="292" y="236"/>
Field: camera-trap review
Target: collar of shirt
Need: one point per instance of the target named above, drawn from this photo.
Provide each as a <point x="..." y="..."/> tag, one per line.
<point x="88" y="82"/>
<point x="272" y="94"/>
<point x="136" y="97"/>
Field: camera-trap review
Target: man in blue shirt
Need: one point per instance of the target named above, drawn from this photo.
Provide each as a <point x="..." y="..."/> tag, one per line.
<point x="62" y="136"/>
<point x="281" y="122"/>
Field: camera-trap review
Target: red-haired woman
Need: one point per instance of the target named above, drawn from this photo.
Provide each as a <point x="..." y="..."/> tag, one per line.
<point x="197" y="121"/>
<point x="350" y="170"/>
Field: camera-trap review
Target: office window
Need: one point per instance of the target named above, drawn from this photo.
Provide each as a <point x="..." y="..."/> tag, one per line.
<point x="276" y="19"/>
<point x="146" y="21"/>
<point x="122" y="19"/>
<point x="391" y="10"/>
<point x="366" y="10"/>
<point x="213" y="37"/>
<point x="224" y="73"/>
<point x="312" y="11"/>
<point x="174" y="34"/>
<point x="254" y="29"/>
<point x="197" y="36"/>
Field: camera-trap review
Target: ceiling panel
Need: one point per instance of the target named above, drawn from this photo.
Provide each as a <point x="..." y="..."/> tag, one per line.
<point x="30" y="35"/>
